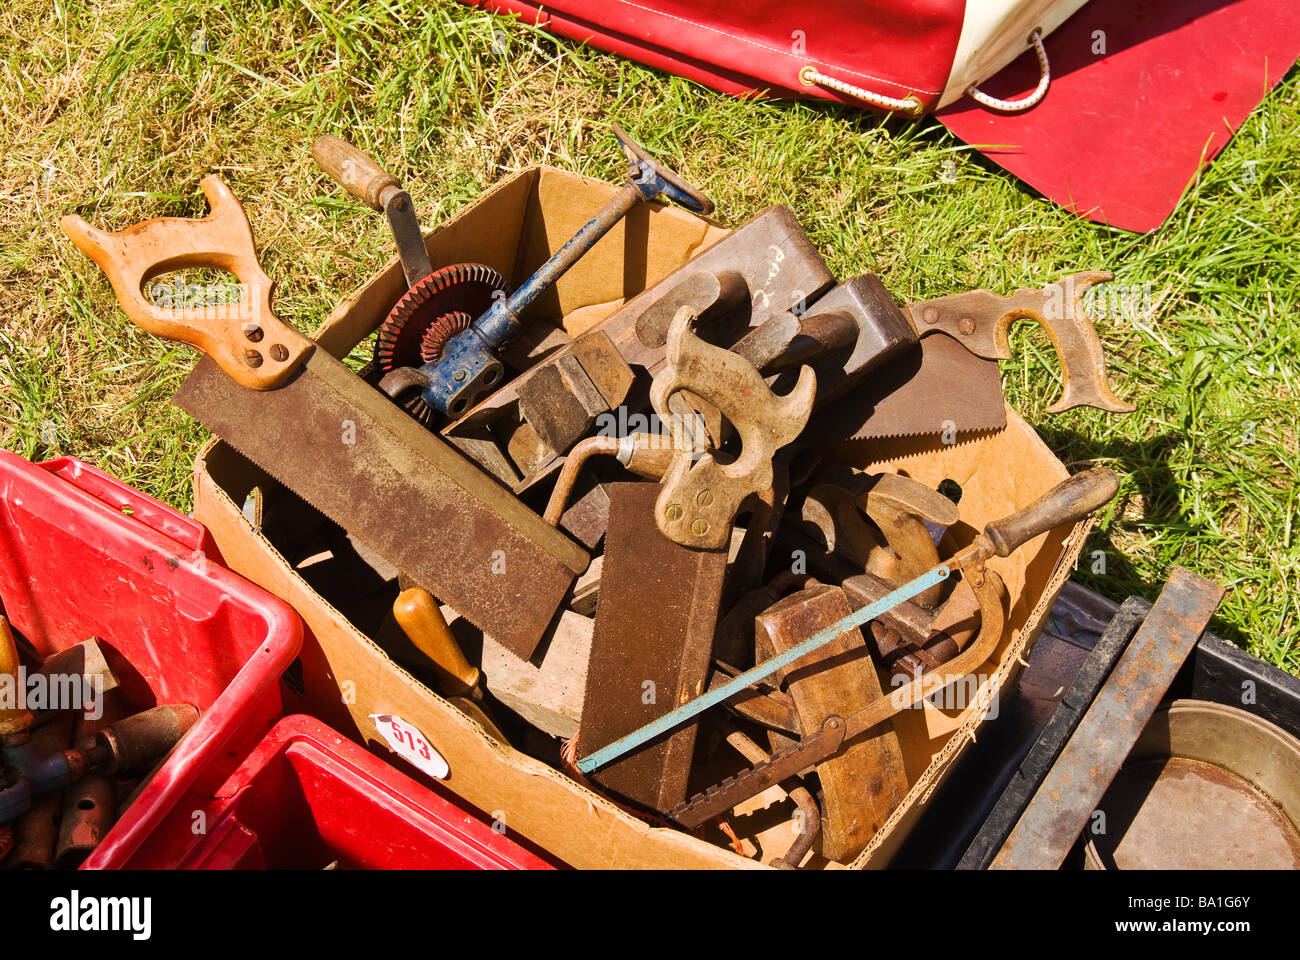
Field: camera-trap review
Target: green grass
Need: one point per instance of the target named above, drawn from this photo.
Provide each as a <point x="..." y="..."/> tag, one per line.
<point x="116" y="113"/>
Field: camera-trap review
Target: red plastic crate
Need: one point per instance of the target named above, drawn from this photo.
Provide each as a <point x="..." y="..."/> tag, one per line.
<point x="306" y="797"/>
<point x="82" y="554"/>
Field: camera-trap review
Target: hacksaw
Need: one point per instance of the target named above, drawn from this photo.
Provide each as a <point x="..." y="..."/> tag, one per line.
<point x="1069" y="501"/>
<point x="316" y="427"/>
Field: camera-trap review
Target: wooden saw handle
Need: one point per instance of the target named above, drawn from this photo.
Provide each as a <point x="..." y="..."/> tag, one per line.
<point x="246" y="339"/>
<point x="356" y="172"/>
<point x="1068" y="501"/>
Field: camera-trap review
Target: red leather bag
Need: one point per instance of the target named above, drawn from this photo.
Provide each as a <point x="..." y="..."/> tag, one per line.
<point x="894" y="49"/>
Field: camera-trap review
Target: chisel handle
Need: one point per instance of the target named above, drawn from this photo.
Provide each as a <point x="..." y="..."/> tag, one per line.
<point x="417" y="613"/>
<point x="356" y="172"/>
<point x="1067" y="502"/>
<point x="246" y="339"/>
<point x="12" y="719"/>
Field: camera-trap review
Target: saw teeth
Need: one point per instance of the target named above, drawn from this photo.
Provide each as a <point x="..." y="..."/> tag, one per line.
<point x="437" y="300"/>
<point x="756" y="776"/>
<point x="963" y="437"/>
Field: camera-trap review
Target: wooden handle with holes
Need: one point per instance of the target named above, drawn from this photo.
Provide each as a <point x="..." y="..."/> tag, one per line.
<point x="246" y="339"/>
<point x="1068" y="501"/>
<point x="354" y="171"/>
<point x="418" y="614"/>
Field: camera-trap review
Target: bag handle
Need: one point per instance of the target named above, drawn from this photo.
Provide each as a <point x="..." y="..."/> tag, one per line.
<point x="1024" y="103"/>
<point x="911" y="104"/>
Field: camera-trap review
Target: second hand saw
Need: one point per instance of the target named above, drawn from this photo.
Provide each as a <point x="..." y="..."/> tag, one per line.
<point x="321" y="431"/>
<point x="951" y="376"/>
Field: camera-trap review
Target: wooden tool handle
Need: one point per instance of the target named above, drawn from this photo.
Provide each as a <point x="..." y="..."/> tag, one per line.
<point x="418" y="614"/>
<point x="246" y="339"/>
<point x="356" y="172"/>
<point x="12" y="719"/>
<point x="1068" y="501"/>
<point x="648" y="458"/>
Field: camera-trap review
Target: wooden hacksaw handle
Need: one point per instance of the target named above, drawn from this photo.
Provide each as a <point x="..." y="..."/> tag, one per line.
<point x="1069" y="501"/>
<point x="246" y="339"/>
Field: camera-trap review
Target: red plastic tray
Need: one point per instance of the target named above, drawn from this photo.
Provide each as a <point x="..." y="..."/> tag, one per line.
<point x="306" y="797"/>
<point x="82" y="555"/>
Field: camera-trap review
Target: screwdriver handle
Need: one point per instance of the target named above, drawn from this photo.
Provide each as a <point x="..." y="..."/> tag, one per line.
<point x="1069" y="501"/>
<point x="417" y="613"/>
<point x="356" y="172"/>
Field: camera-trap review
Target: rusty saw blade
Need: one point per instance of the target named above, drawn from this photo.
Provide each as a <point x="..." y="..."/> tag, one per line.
<point x="319" y="429"/>
<point x="936" y="386"/>
<point x="364" y="463"/>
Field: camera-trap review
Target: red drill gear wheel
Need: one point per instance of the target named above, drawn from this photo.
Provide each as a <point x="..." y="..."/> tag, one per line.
<point x="435" y="309"/>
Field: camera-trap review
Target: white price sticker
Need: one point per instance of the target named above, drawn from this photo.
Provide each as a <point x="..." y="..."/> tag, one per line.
<point x="410" y="744"/>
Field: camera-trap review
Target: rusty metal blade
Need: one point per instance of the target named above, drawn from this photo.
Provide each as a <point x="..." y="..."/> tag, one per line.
<point x="934" y="387"/>
<point x="1086" y="766"/>
<point x="363" y="462"/>
<point x="651" y="647"/>
<point x="719" y="799"/>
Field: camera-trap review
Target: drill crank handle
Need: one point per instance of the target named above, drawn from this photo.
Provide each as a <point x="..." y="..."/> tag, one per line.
<point x="355" y="171"/>
<point x="246" y="339"/>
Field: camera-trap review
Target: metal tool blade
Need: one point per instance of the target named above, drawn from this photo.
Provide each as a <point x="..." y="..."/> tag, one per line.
<point x="720" y="798"/>
<point x="1075" y="785"/>
<point x="363" y="462"/>
<point x="651" y="647"/>
<point x="935" y="387"/>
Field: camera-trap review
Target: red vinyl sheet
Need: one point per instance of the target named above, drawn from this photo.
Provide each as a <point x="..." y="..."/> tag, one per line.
<point x="1120" y="135"/>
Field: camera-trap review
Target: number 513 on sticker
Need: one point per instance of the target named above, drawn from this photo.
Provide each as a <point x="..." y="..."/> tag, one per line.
<point x="410" y="744"/>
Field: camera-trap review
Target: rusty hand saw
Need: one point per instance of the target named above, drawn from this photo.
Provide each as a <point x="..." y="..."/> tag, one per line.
<point x="950" y="379"/>
<point x="1068" y="501"/>
<point x="311" y="423"/>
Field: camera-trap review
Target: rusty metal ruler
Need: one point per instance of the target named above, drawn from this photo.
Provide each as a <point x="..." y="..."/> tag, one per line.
<point x="1078" y="780"/>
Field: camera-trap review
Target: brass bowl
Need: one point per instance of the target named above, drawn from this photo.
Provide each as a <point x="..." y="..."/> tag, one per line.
<point x="1206" y="787"/>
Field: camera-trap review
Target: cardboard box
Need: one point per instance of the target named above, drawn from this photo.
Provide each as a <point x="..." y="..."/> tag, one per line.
<point x="346" y="678"/>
